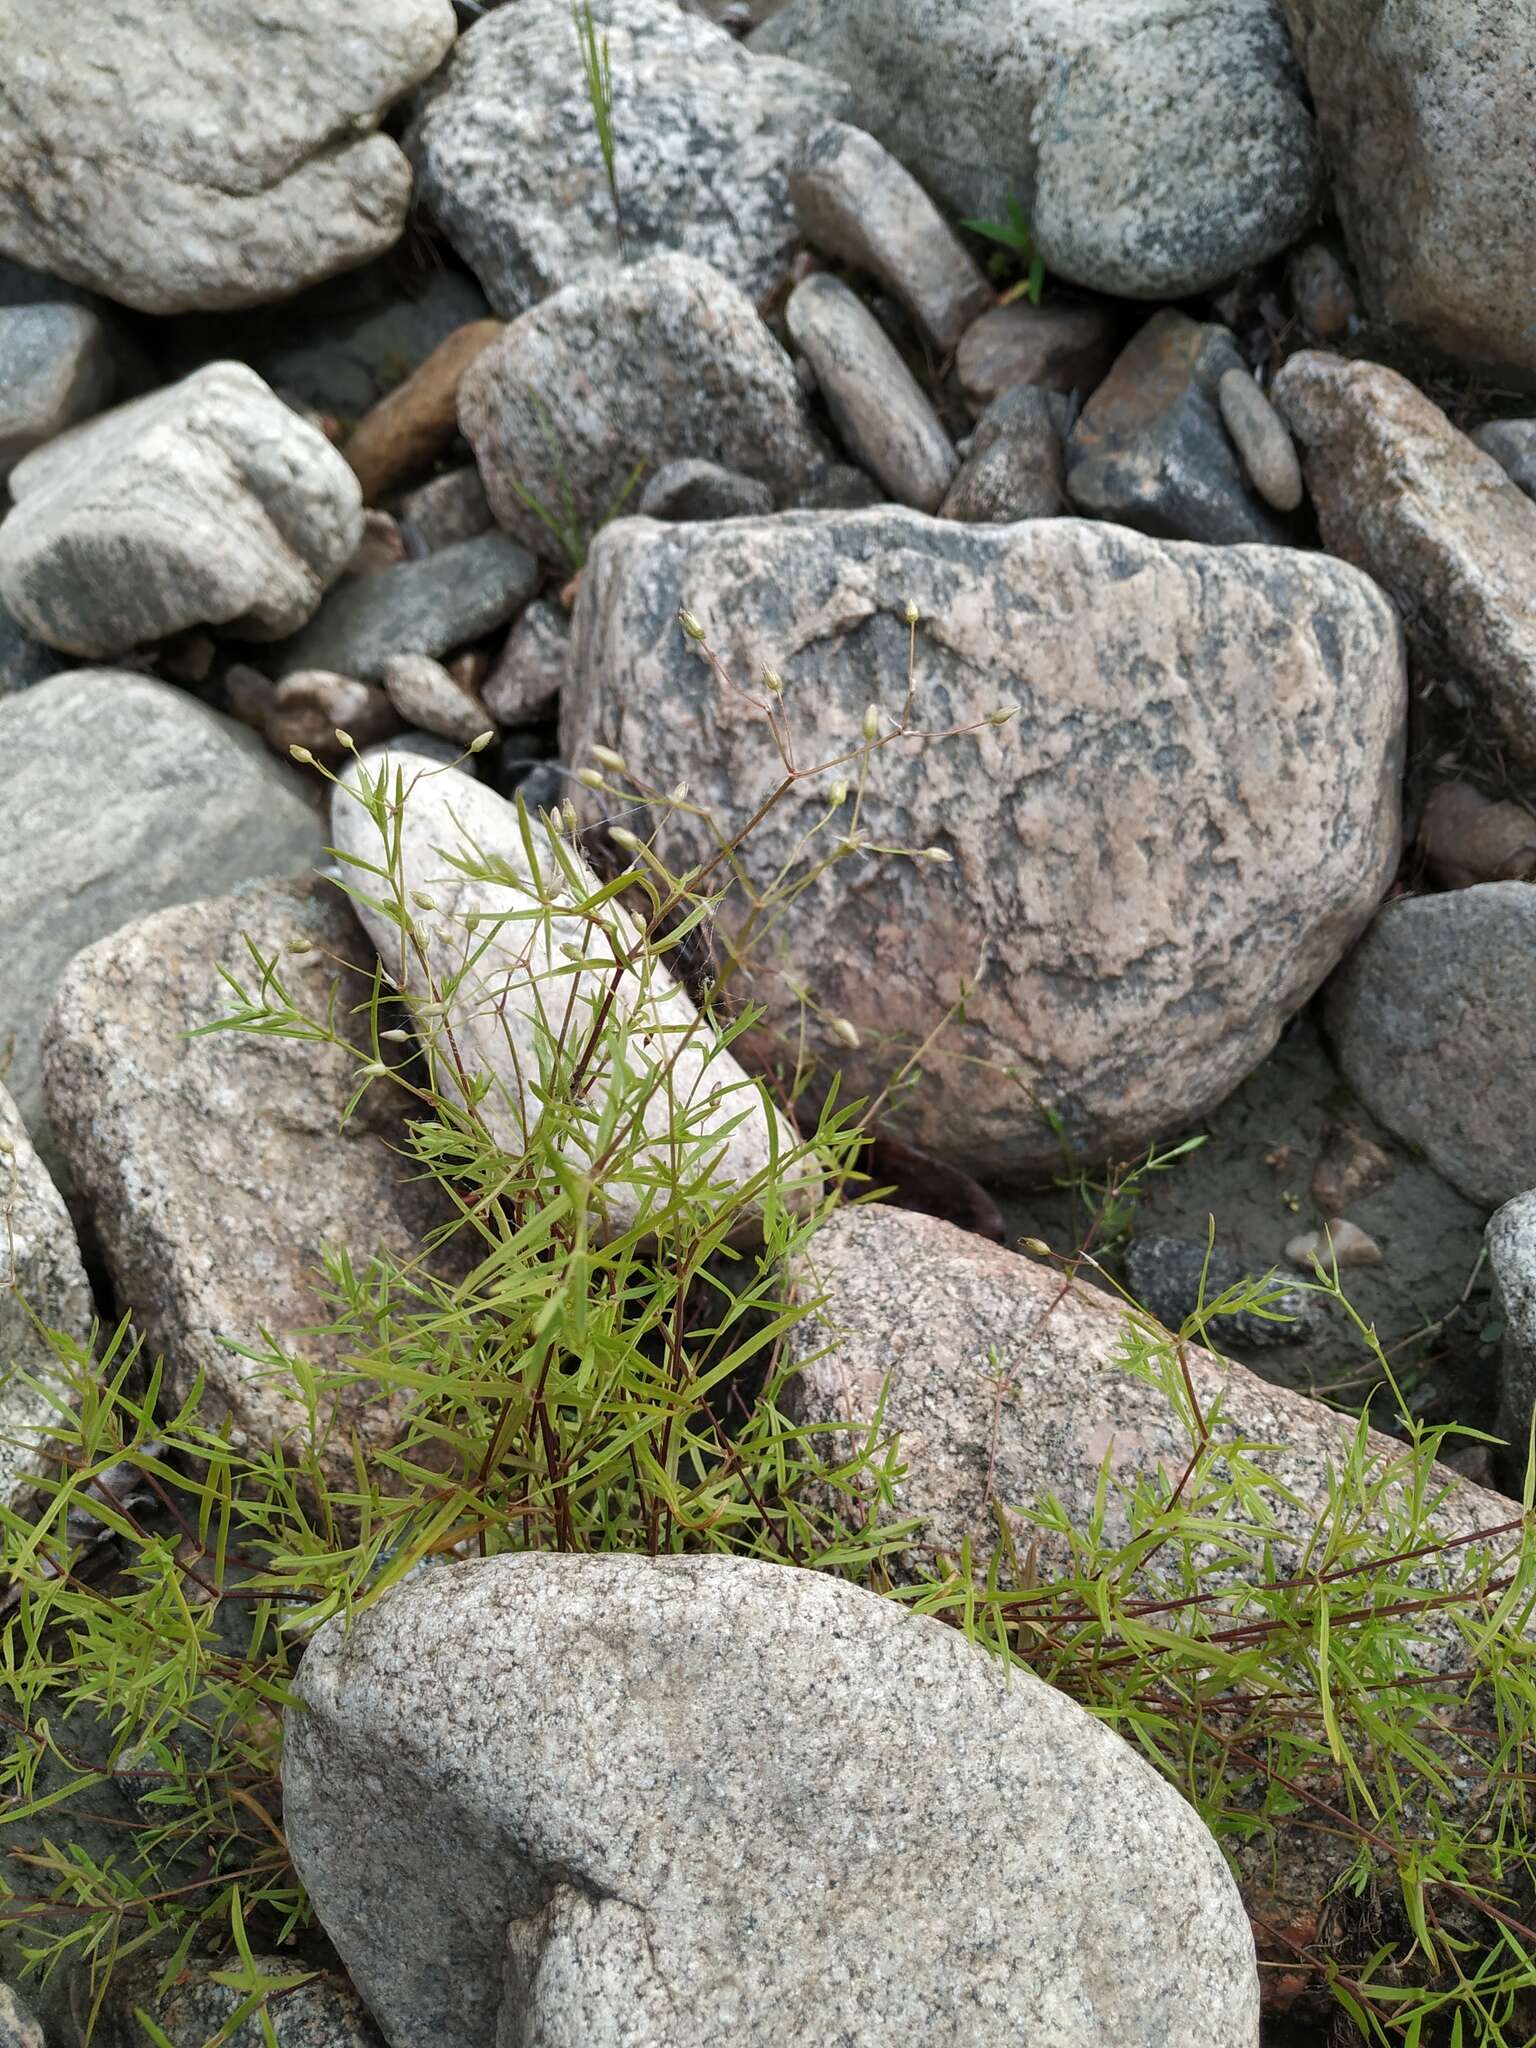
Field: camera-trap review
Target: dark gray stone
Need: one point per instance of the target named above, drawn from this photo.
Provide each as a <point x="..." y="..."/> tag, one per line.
<point x="1015" y="465"/>
<point x="1150" y="450"/>
<point x="55" y="369"/>
<point x="841" y="488"/>
<point x="1433" y="1021"/>
<point x="530" y="671"/>
<point x="451" y="508"/>
<point x="1512" y="444"/>
<point x="326" y="2013"/>
<point x="703" y="490"/>
<point x="508" y="159"/>
<point x="1172" y="1277"/>
<point x="23" y="660"/>
<point x="1511" y="1242"/>
<point x="429" y="607"/>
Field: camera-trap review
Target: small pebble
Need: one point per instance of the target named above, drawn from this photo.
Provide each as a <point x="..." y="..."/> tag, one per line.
<point x="1015" y="467"/>
<point x="308" y="706"/>
<point x="1321" y="292"/>
<point x="381" y="547"/>
<point x="1062" y="348"/>
<point x="1469" y="838"/>
<point x="425" y="694"/>
<point x="1512" y="444"/>
<point x="530" y="671"/>
<point x="451" y="508"/>
<point x="1262" y="439"/>
<point x="695" y="489"/>
<point x="1341" y="1240"/>
<point x="1349" y="1167"/>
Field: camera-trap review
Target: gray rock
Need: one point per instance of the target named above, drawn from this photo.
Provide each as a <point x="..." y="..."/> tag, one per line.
<point x="1512" y="444"/>
<point x="1051" y="104"/>
<point x="702" y="490"/>
<point x="841" y="488"/>
<point x="599" y="1794"/>
<point x="497" y="993"/>
<point x="611" y="378"/>
<point x="1015" y="466"/>
<point x="1060" y="348"/>
<point x="1511" y="1243"/>
<point x="55" y="368"/>
<point x="855" y="202"/>
<point x="215" y="1167"/>
<point x="508" y="159"/>
<point x="531" y="669"/>
<point x="122" y="794"/>
<point x="923" y="1324"/>
<point x="40" y="1275"/>
<point x="19" y="2025"/>
<point x="1466" y="837"/>
<point x="1433" y="1021"/>
<point x="308" y="709"/>
<point x="325" y="2013"/>
<point x="1426" y="127"/>
<point x="1150" y="450"/>
<point x="427" y="607"/>
<point x="881" y="411"/>
<point x="1261" y="439"/>
<point x="1138" y="914"/>
<point x="231" y="155"/>
<point x="1321" y="292"/>
<point x="23" y="660"/>
<point x="426" y="695"/>
<point x="451" y="508"/>
<point x="1173" y="1277"/>
<point x="207" y="503"/>
<point x="1433" y="519"/>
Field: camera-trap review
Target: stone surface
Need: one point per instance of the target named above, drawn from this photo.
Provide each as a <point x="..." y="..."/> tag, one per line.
<point x="693" y="489"/>
<point x="508" y="158"/>
<point x="1467" y="837"/>
<point x="427" y="607"/>
<point x="1425" y="120"/>
<point x="403" y="434"/>
<point x="1051" y="104"/>
<point x="19" y="2025"/>
<point x="1060" y="348"/>
<point x="925" y="1322"/>
<point x="842" y="488"/>
<point x="531" y="669"/>
<point x="855" y="202"/>
<point x="216" y="1168"/>
<point x="1339" y="1242"/>
<point x="426" y="695"/>
<point x="884" y="416"/>
<point x="1150" y="450"/>
<point x="40" y="1275"/>
<point x="1434" y="520"/>
<point x="505" y="988"/>
<point x="1512" y="444"/>
<point x="206" y="155"/>
<point x="610" y="379"/>
<point x="122" y="794"/>
<point x="1131" y="891"/>
<point x="1015" y="467"/>
<point x="207" y="503"/>
<point x="324" y="2013"/>
<point x="453" y="507"/>
<point x="383" y="546"/>
<point x="1321" y="292"/>
<point x="1174" y="1277"/>
<point x="1511" y="1243"/>
<point x="55" y="368"/>
<point x="1433" y="1021"/>
<point x="618" y="1798"/>
<point x="309" y="707"/>
<point x="1261" y="438"/>
<point x="23" y="660"/>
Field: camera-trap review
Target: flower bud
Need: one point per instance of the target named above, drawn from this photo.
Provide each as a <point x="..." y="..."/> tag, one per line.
<point x="589" y="778"/>
<point x="605" y="757"/>
<point x="372" y="1070"/>
<point x="303" y="756"/>
<point x="837" y="795"/>
<point x="679" y="794"/>
<point x="568" y="813"/>
<point x="345" y="741"/>
<point x="1038" y="1246"/>
<point x="480" y="742"/>
<point x="872" y="722"/>
<point x="841" y="1028"/>
<point x="911" y="614"/>
<point x="1002" y="714"/>
<point x="938" y="856"/>
<point x="689" y="623"/>
<point x="773" y="682"/>
<point x="630" y="841"/>
<point x="301" y="945"/>
<point x="422" y="900"/>
<point x="394" y="1037"/>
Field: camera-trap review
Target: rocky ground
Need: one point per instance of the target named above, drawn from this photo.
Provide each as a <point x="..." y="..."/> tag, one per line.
<point x="1141" y="392"/>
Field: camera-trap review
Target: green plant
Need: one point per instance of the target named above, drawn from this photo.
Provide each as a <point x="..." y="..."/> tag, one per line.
<point x="1016" y="250"/>
<point x="565" y="524"/>
<point x="598" y="73"/>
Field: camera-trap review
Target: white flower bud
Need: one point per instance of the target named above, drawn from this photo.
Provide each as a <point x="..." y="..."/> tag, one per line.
<point x="480" y="742"/>
<point x="395" y="1037"/>
<point x="605" y="757"/>
<point x="303" y="756"/>
<point x="422" y="900"/>
<point x="372" y="1070"/>
<point x="679" y="794"/>
<point x="590" y="779"/>
<point x="773" y="682"/>
<point x="938" y="856"/>
<point x="872" y="722"/>
<point x="345" y="741"/>
<point x="841" y="1028"/>
<point x="911" y="614"/>
<point x="837" y="795"/>
<point x="630" y="841"/>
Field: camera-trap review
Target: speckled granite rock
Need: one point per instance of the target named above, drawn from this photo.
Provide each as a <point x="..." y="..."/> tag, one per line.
<point x="55" y="369"/>
<point x="530" y="671"/>
<point x="325" y="2013"/>
<point x="622" y="374"/>
<point x="19" y="2025"/>
<point x="1433" y="1021"/>
<point x="231" y="156"/>
<point x="121" y="795"/>
<point x="587" y="1800"/>
<point x="1434" y="519"/>
<point x="1425" y="120"/>
<point x="1512" y="444"/>
<point x="1052" y="102"/>
<point x="1015" y="467"/>
<point x="1131" y="893"/>
<point x="1511" y="1242"/>
<point x="216" y="1168"/>
<point x="508" y="159"/>
<point x="40" y="1272"/>
<point x="208" y="503"/>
